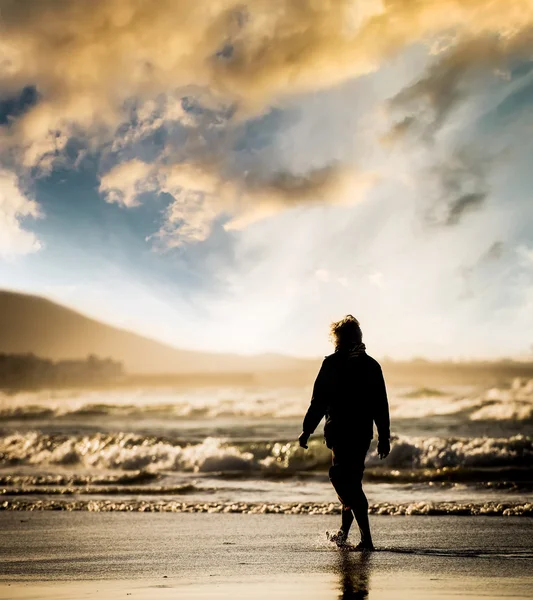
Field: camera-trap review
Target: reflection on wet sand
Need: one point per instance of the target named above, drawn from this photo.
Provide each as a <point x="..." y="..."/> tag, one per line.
<point x="354" y="571"/>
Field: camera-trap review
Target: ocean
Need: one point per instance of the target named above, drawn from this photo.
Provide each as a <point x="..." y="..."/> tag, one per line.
<point x="455" y="450"/>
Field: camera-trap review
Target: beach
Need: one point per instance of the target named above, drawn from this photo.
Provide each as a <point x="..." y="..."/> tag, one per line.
<point x="68" y="555"/>
<point x="204" y="493"/>
<point x="266" y="276"/>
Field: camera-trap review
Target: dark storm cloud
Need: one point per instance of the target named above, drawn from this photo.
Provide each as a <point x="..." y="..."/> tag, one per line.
<point x="457" y="186"/>
<point x="456" y="75"/>
<point x="16" y="105"/>
<point x="467" y="203"/>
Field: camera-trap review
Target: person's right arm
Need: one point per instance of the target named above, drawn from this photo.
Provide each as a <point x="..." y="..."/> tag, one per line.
<point x="318" y="406"/>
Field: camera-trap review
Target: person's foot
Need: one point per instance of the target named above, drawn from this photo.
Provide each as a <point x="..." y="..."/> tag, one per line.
<point x="338" y="538"/>
<point x="364" y="547"/>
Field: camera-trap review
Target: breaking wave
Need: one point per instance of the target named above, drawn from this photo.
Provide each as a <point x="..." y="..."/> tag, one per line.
<point x="164" y="403"/>
<point x="131" y="452"/>
<point x="513" y="402"/>
<point x="505" y="403"/>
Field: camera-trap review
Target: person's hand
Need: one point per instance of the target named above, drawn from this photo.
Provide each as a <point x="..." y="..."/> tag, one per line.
<point x="383" y="448"/>
<point x="303" y="439"/>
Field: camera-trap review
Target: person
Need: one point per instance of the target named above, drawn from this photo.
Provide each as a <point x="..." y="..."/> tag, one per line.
<point x="350" y="392"/>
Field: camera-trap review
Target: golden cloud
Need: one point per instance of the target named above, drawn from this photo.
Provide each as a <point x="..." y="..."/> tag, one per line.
<point x="15" y="206"/>
<point x="200" y="193"/>
<point x="87" y="60"/>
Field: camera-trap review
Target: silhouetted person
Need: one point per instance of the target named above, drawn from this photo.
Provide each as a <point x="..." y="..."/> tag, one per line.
<point x="350" y="392"/>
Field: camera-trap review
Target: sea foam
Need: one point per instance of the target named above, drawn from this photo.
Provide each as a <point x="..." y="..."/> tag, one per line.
<point x="486" y="509"/>
<point x="129" y="452"/>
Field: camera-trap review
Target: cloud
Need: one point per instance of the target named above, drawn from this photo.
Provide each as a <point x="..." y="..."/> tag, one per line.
<point x="428" y="120"/>
<point x="201" y="193"/>
<point x="466" y="203"/>
<point x="14" y="106"/>
<point x="86" y="64"/>
<point x="301" y="46"/>
<point x="376" y="278"/>
<point x="125" y="182"/>
<point x="190" y="214"/>
<point x="263" y="197"/>
<point x="452" y="78"/>
<point x="197" y="65"/>
<point x="489" y="268"/>
<point x="526" y="255"/>
<point x="494" y="252"/>
<point x="188" y="219"/>
<point x="322" y="275"/>
<point x="459" y="185"/>
<point x="15" y="206"/>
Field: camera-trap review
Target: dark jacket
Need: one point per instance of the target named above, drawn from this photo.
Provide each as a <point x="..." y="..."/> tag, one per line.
<point x="350" y="392"/>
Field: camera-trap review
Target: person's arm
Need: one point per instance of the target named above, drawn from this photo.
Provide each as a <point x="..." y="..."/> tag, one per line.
<point x="317" y="407"/>
<point x="381" y="414"/>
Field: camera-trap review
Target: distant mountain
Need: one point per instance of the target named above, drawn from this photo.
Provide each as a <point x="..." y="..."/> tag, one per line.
<point x="31" y="324"/>
<point x="49" y="330"/>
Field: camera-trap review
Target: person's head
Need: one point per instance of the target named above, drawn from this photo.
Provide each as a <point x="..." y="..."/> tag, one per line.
<point x="346" y="332"/>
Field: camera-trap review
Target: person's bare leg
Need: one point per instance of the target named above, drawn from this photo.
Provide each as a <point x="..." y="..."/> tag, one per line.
<point x="349" y="487"/>
<point x="363" y="522"/>
<point x="346" y="520"/>
<point x="341" y="536"/>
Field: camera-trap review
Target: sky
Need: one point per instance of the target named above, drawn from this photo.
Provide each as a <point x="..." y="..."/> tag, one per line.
<point x="234" y="175"/>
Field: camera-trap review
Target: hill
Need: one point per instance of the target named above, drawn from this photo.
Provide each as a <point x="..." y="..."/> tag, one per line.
<point x="31" y="324"/>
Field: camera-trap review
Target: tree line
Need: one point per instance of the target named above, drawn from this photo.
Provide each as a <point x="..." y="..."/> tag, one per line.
<point x="28" y="371"/>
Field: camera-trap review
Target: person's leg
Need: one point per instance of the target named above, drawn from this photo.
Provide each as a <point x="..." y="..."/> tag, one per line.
<point x="339" y="480"/>
<point x="341" y="536"/>
<point x="346" y="476"/>
<point x="359" y="500"/>
<point x="360" y="510"/>
<point x="346" y="519"/>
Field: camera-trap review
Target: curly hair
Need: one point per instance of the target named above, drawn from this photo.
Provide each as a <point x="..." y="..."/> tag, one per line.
<point x="346" y="331"/>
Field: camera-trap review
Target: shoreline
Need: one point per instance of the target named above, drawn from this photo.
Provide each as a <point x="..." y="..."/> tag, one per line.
<point x="434" y="509"/>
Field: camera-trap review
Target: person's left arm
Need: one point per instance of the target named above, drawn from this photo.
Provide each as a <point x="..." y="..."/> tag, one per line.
<point x="318" y="406"/>
<point x="381" y="413"/>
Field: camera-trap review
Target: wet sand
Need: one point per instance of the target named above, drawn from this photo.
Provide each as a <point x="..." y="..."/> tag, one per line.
<point x="163" y="555"/>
